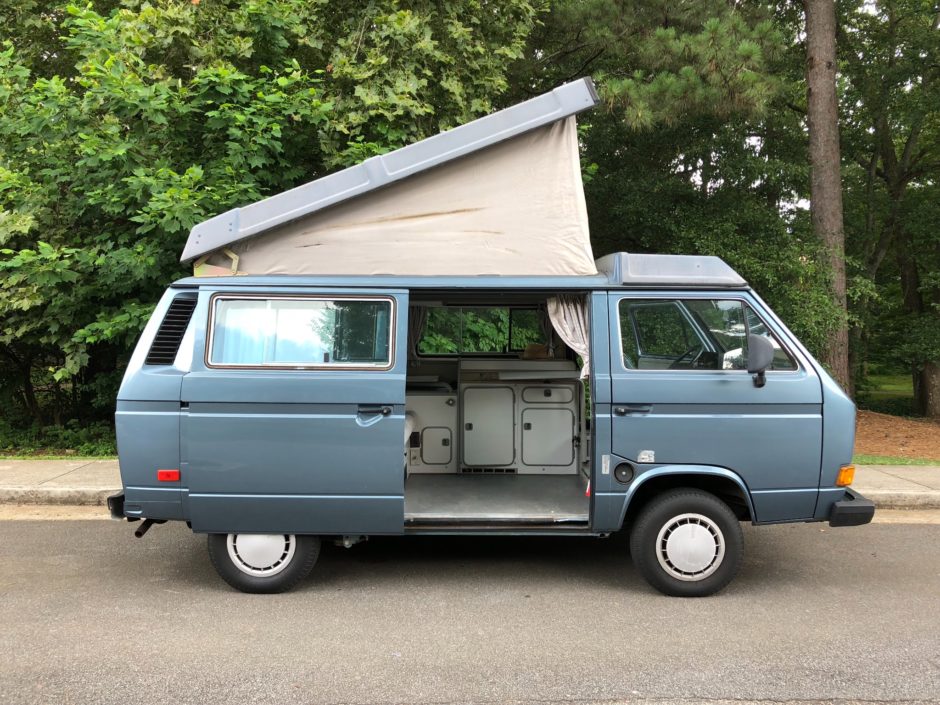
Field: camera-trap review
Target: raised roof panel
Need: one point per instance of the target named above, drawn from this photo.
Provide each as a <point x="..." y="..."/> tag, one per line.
<point x="668" y="270"/>
<point x="241" y="223"/>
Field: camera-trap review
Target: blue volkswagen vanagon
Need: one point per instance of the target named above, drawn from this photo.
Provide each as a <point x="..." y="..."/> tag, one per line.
<point x="423" y="344"/>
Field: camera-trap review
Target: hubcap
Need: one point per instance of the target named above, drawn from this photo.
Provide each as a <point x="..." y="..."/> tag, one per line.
<point x="261" y="555"/>
<point x="690" y="547"/>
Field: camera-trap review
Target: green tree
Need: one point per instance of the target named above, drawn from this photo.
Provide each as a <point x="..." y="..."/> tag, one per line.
<point x="123" y="125"/>
<point x="700" y="149"/>
<point x="890" y="54"/>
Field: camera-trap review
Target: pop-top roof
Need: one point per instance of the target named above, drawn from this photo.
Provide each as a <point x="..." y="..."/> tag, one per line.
<point x="238" y="224"/>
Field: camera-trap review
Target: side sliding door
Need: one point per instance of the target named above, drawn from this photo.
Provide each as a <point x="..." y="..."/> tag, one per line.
<point x="293" y="413"/>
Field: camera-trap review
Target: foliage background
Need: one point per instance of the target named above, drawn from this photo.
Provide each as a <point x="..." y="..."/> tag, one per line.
<point x="122" y="124"/>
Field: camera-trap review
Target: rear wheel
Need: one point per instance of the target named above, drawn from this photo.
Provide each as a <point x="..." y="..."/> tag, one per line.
<point x="687" y="543"/>
<point x="263" y="563"/>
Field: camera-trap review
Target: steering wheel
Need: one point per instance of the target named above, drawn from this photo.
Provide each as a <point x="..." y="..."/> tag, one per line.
<point x="690" y="356"/>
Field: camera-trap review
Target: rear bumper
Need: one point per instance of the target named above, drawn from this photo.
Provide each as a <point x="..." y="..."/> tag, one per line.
<point x="852" y="510"/>
<point x="116" y="506"/>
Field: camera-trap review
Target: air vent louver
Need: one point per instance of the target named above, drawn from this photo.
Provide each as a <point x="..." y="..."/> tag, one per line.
<point x="170" y="334"/>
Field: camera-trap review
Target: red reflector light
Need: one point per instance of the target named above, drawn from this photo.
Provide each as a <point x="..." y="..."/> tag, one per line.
<point x="168" y="475"/>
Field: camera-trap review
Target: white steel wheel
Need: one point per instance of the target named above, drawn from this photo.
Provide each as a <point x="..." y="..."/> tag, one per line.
<point x="261" y="555"/>
<point x="690" y="547"/>
<point x="263" y="563"/>
<point x="687" y="542"/>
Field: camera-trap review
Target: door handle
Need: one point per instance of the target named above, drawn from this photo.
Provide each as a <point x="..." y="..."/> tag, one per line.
<point x="628" y="409"/>
<point x="366" y="409"/>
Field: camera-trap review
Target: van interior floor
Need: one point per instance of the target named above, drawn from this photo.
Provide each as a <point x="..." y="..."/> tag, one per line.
<point x="496" y="499"/>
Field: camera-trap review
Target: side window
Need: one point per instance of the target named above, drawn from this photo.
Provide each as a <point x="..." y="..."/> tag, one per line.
<point x="628" y="337"/>
<point x="525" y="328"/>
<point x="662" y="330"/>
<point x="491" y="330"/>
<point x="691" y="334"/>
<point x="300" y="332"/>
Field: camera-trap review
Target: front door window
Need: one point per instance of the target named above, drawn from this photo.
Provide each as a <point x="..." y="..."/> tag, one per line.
<point x="691" y="334"/>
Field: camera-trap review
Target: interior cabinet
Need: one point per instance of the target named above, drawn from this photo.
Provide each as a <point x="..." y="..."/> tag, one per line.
<point x="531" y="428"/>
<point x="489" y="420"/>
<point x="513" y="427"/>
<point x="433" y="444"/>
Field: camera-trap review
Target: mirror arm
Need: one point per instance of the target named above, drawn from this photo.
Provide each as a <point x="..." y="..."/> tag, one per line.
<point x="760" y="379"/>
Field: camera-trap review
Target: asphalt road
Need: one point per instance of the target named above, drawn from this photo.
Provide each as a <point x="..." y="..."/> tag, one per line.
<point x="89" y="614"/>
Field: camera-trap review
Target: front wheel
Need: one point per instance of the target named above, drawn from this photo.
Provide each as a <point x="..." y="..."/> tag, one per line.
<point x="687" y="543"/>
<point x="263" y="563"/>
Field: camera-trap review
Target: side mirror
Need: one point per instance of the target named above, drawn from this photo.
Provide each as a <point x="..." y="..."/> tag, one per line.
<point x="760" y="353"/>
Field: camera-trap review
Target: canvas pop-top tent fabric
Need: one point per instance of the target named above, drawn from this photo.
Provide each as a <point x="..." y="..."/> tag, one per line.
<point x="501" y="195"/>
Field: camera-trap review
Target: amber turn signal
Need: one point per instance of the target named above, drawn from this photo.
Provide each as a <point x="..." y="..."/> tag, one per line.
<point x="846" y="476"/>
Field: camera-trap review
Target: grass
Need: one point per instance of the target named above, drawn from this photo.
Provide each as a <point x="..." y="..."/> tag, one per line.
<point x="887" y="394"/>
<point x="891" y="460"/>
<point x="890" y="385"/>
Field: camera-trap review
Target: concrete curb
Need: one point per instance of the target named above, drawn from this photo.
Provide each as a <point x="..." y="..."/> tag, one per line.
<point x="900" y="499"/>
<point x="74" y="496"/>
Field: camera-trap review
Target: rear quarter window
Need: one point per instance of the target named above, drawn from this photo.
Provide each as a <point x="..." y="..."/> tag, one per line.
<point x="305" y="332"/>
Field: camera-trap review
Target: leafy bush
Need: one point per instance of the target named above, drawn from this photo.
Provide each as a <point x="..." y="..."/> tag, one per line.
<point x="73" y="438"/>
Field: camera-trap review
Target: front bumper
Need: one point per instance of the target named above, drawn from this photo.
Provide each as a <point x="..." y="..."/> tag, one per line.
<point x="852" y="510"/>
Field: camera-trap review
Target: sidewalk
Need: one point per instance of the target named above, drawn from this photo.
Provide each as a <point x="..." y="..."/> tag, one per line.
<point x="74" y="482"/>
<point x="89" y="482"/>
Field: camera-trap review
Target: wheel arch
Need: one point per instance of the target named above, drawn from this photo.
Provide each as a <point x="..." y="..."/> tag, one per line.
<point x="723" y="483"/>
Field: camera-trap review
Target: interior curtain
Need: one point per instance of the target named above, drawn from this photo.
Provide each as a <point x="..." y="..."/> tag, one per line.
<point x="417" y="320"/>
<point x="569" y="316"/>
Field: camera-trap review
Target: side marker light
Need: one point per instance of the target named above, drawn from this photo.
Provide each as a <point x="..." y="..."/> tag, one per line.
<point x="846" y="476"/>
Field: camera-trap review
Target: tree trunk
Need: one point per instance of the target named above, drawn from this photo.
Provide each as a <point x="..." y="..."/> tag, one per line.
<point x="926" y="377"/>
<point x="929" y="389"/>
<point x="825" y="180"/>
<point x="29" y="394"/>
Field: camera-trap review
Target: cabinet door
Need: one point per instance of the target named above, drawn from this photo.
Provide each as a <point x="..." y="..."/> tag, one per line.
<point x="545" y="394"/>
<point x="436" y="448"/>
<point x="489" y="426"/>
<point x="547" y="437"/>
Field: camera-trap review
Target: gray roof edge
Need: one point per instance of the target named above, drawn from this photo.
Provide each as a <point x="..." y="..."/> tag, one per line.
<point x="240" y="223"/>
<point x="624" y="268"/>
<point x="471" y="282"/>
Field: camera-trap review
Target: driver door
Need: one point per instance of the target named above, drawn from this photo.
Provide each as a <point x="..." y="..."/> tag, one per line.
<point x="681" y="395"/>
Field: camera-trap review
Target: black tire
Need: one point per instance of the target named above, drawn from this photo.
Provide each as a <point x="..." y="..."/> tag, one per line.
<point x="699" y="577"/>
<point x="291" y="568"/>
